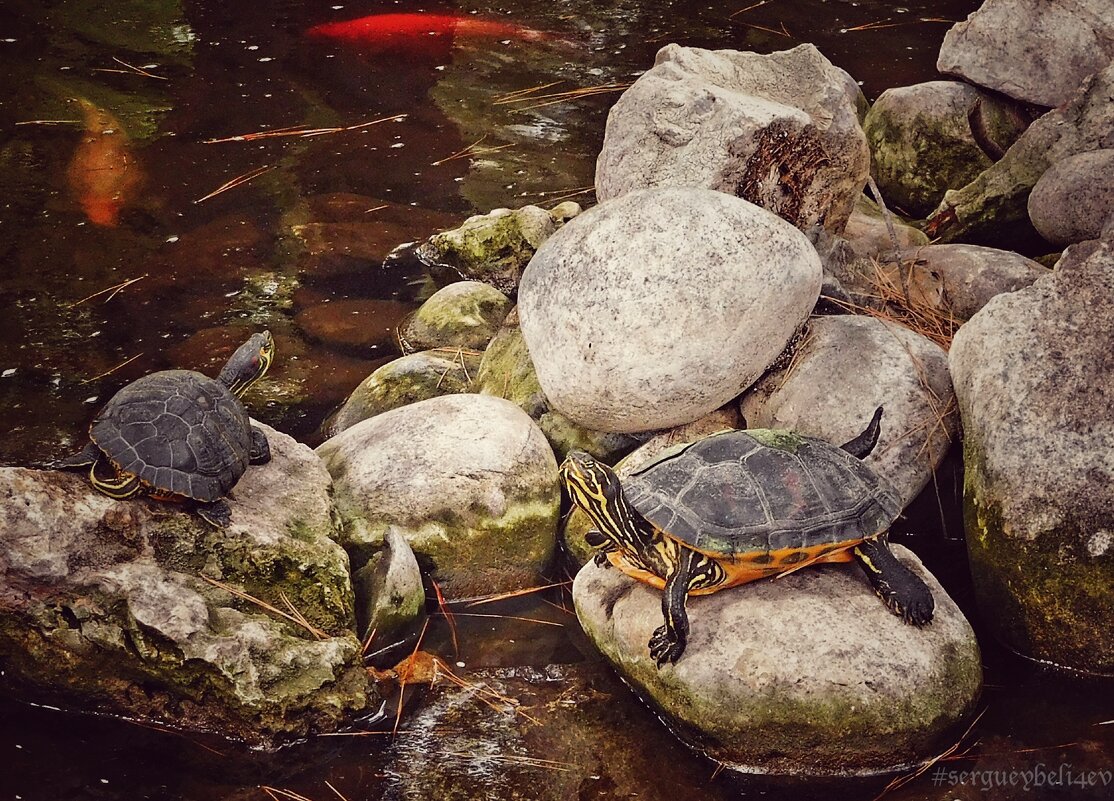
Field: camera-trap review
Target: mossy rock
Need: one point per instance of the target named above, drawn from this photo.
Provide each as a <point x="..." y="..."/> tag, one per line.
<point x="494" y="248"/>
<point x="808" y="675"/>
<point x="407" y="380"/>
<point x="468" y="480"/>
<point x="465" y="314"/>
<point x="144" y="610"/>
<point x="1031" y="375"/>
<point x="922" y="143"/>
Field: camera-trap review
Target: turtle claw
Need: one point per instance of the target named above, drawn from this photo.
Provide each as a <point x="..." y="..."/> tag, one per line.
<point x="666" y="646"/>
<point x="601" y="560"/>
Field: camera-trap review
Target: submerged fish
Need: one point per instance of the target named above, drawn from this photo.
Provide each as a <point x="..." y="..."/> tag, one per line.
<point x="103" y="173"/>
<point x="418" y="31"/>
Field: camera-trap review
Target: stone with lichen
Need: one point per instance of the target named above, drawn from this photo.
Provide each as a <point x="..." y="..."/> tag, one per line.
<point x="141" y="609"/>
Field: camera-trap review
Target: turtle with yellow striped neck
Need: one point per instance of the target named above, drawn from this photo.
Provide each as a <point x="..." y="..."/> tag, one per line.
<point x="739" y="506"/>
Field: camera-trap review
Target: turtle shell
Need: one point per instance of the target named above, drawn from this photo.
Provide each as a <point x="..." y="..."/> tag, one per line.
<point x="179" y="431"/>
<point x="761" y="491"/>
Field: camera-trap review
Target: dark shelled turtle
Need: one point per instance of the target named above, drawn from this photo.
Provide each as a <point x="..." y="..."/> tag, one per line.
<point x="740" y="506"/>
<point x="178" y="435"/>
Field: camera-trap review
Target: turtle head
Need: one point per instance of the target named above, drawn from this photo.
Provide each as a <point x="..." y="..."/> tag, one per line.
<point x="594" y="487"/>
<point x="248" y="363"/>
<point x="589" y="482"/>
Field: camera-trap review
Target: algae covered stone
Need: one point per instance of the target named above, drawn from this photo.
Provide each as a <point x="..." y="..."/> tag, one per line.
<point x="993" y="205"/>
<point x="128" y="607"/>
<point x="405" y="380"/>
<point x="806" y="675"/>
<point x="465" y="314"/>
<point x="494" y="247"/>
<point x="922" y="144"/>
<point x="469" y="480"/>
<point x="1032" y="374"/>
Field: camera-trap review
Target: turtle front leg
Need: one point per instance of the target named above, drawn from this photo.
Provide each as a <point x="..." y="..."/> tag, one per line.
<point x="260" y="452"/>
<point x="902" y="591"/>
<point x="669" y="641"/>
<point x="597" y="540"/>
<point x="86" y="458"/>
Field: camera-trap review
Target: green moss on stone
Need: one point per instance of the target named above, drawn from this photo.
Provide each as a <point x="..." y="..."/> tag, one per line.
<point x="1044" y="597"/>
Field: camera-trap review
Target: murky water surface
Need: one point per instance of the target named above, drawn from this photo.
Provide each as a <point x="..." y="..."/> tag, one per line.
<point x="144" y="224"/>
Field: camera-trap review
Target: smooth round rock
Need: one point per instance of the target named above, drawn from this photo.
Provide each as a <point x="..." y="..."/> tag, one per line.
<point x="653" y="309"/>
<point x="805" y="675"/>
<point x="469" y="480"/>
<point x="845" y="368"/>
<point x="1074" y="198"/>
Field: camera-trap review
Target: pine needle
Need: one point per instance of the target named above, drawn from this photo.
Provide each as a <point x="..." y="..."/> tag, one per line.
<point x="901" y="781"/>
<point x="239" y="180"/>
<point x="512" y="617"/>
<point x="751" y="7"/>
<point x="299" y="620"/>
<point x="448" y="615"/>
<point x="114" y="289"/>
<point x="131" y="69"/>
<point x="516" y="593"/>
<point x="113" y="370"/>
<point x="302" y="131"/>
<point x="405" y="674"/>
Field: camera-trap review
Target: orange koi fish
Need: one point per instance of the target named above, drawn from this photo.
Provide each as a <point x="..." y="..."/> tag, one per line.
<point x="415" y="31"/>
<point x="103" y="173"/>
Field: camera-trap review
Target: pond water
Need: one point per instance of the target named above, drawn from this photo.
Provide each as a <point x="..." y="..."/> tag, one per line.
<point x="146" y="225"/>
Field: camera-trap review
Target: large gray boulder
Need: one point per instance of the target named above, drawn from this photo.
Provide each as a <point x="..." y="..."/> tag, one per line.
<point x="994" y="204"/>
<point x="1038" y="51"/>
<point x="115" y="605"/>
<point x="469" y="480"/>
<point x="1074" y="198"/>
<point x="922" y="141"/>
<point x="506" y="371"/>
<point x="780" y="130"/>
<point x="806" y="675"/>
<point x="844" y="369"/>
<point x="1032" y="374"/>
<point x="652" y="310"/>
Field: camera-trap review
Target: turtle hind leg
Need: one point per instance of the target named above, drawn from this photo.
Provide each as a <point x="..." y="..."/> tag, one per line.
<point x="861" y="446"/>
<point x="260" y="452"/>
<point x="87" y="457"/>
<point x="217" y="514"/>
<point x="902" y="591"/>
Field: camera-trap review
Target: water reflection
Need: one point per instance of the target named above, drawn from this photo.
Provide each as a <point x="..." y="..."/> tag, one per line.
<point x="111" y="157"/>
